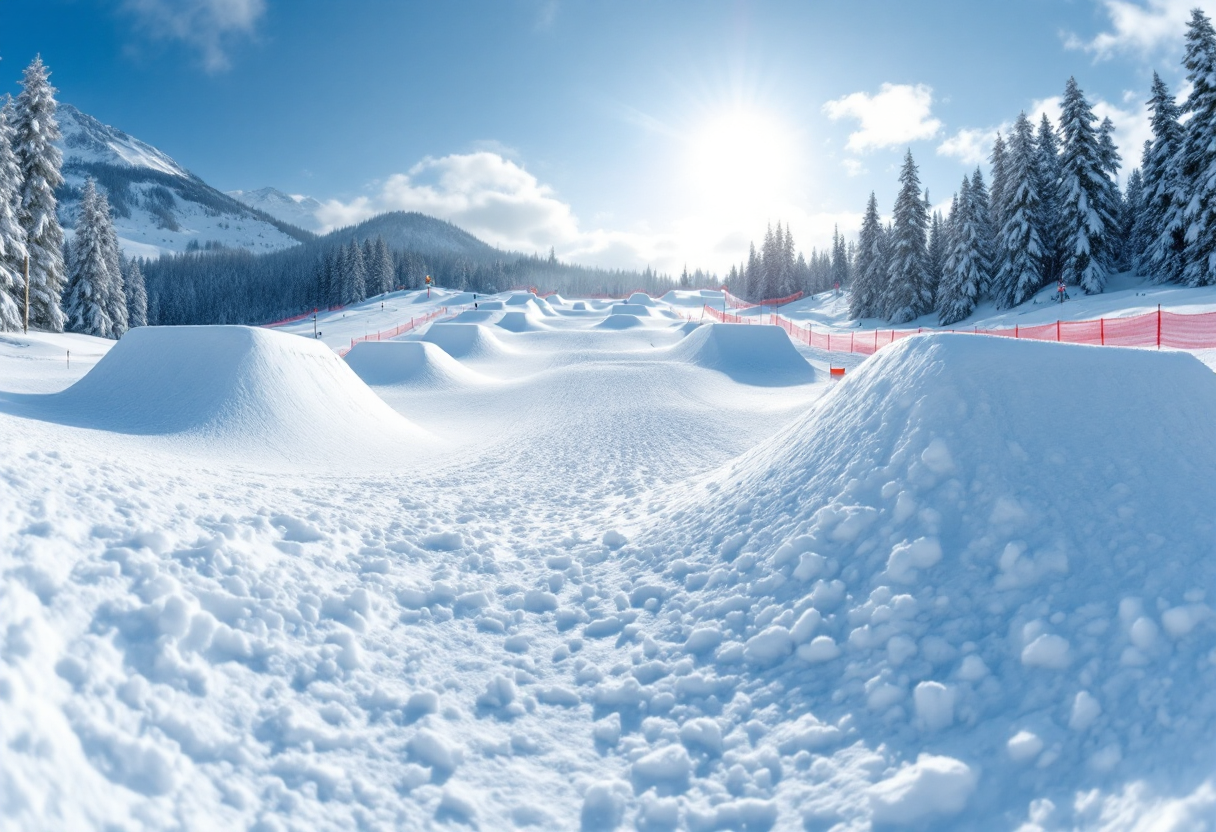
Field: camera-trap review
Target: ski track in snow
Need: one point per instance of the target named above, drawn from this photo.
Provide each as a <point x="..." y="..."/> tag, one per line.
<point x="609" y="581"/>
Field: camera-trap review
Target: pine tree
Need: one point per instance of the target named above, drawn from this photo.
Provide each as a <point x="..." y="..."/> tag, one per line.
<point x="996" y="194"/>
<point x="1085" y="219"/>
<point x="1047" y="162"/>
<point x="1112" y="198"/>
<point x="1019" y="254"/>
<point x="12" y="236"/>
<point x="36" y="131"/>
<point x="840" y="259"/>
<point x="1197" y="156"/>
<point x="937" y="248"/>
<point x="753" y="279"/>
<point x="113" y="294"/>
<point x="1163" y="225"/>
<point x="85" y="299"/>
<point x="981" y="217"/>
<point x="380" y="267"/>
<point x="1132" y="230"/>
<point x="869" y="282"/>
<point x="961" y="279"/>
<point x="910" y="292"/>
<point x="137" y="295"/>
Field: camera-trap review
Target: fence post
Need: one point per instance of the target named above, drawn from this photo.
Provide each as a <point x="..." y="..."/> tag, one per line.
<point x="1015" y="332"/>
<point x="1158" y="326"/>
<point x="1102" y="331"/>
<point x="851" y="342"/>
<point x="1057" y="331"/>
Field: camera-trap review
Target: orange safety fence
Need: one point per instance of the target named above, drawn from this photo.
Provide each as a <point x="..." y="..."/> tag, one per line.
<point x="738" y="303"/>
<point x="1150" y="329"/>
<point x="385" y="334"/>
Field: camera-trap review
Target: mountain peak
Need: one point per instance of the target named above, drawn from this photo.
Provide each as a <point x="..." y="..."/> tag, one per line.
<point x="296" y="209"/>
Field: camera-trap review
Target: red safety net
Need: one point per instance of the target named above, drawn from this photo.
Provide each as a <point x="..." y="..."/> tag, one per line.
<point x="385" y="334"/>
<point x="1151" y="329"/>
<point x="738" y="303"/>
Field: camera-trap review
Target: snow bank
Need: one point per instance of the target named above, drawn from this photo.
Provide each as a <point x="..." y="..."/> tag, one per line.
<point x="759" y="355"/>
<point x="640" y="298"/>
<point x="636" y="309"/>
<point x="981" y="558"/>
<point x="413" y="363"/>
<point x="616" y="321"/>
<point x="241" y="387"/>
<point x="465" y="340"/>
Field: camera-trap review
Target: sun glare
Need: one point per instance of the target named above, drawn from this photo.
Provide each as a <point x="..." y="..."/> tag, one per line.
<point x="742" y="160"/>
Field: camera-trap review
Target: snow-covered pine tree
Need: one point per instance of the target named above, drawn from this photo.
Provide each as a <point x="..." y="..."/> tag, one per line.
<point x="1163" y="224"/>
<point x="937" y="246"/>
<point x="84" y="302"/>
<point x="1132" y="230"/>
<point x="36" y="132"/>
<point x="959" y="289"/>
<point x="996" y="195"/>
<point x="869" y="280"/>
<point x="981" y="218"/>
<point x="12" y="236"/>
<point x="115" y="296"/>
<point x="1047" y="149"/>
<point x="910" y="292"/>
<point x="1112" y="198"/>
<point x="1085" y="219"/>
<point x="753" y="278"/>
<point x="380" y="267"/>
<point x="137" y="295"/>
<point x="1197" y="156"/>
<point x="840" y="259"/>
<point x="1019" y="252"/>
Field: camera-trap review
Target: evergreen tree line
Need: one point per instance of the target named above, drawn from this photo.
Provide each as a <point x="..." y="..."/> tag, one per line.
<point x="105" y="294"/>
<point x="232" y="286"/>
<point x="777" y="271"/>
<point x="1054" y="211"/>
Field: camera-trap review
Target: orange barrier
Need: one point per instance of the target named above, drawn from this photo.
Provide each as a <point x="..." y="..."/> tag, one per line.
<point x="385" y="334"/>
<point x="1151" y="329"/>
<point x="290" y="320"/>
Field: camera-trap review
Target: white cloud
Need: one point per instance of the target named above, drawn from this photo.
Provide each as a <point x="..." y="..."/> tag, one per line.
<point x="482" y="192"/>
<point x="853" y="167"/>
<point x="1141" y="27"/>
<point x="970" y="145"/>
<point x="206" y="25"/>
<point x="896" y="115"/>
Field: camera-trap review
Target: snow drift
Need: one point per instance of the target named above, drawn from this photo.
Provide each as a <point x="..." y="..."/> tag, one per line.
<point x="615" y="321"/>
<point x="240" y="386"/>
<point x="516" y="321"/>
<point x="414" y="363"/>
<point x="992" y="557"/>
<point x="759" y="355"/>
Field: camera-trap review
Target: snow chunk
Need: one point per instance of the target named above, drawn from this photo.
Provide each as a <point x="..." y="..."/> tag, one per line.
<point x="430" y="749"/>
<point x="1085" y="710"/>
<point x="702" y="734"/>
<point x="933" y="786"/>
<point x="614" y="539"/>
<point x="1179" y="621"/>
<point x="810" y="566"/>
<point x="702" y="640"/>
<point x="906" y="558"/>
<point x="667" y="769"/>
<point x="806" y="625"/>
<point x="443" y="542"/>
<point x="934" y="705"/>
<point x="1023" y="746"/>
<point x="821" y="649"/>
<point x="768" y="647"/>
<point x="1047" y="651"/>
<point x="603" y="806"/>
<point x="937" y="457"/>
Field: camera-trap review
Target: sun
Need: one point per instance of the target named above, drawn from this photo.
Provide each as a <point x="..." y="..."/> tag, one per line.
<point x="743" y="160"/>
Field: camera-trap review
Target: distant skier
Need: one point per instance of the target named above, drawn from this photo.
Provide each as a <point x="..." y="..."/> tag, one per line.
<point x="1062" y="291"/>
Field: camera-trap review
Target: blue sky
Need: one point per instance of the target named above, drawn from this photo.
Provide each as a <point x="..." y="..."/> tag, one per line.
<point x="621" y="133"/>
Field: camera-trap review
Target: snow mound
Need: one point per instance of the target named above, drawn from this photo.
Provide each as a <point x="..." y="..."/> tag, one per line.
<point x="413" y="363"/>
<point x="1001" y="548"/>
<point x="616" y="321"/>
<point x="242" y="386"/>
<point x="473" y="316"/>
<point x="491" y="305"/>
<point x="555" y="299"/>
<point x="640" y="298"/>
<point x="520" y="322"/>
<point x="637" y="310"/>
<point x="579" y="306"/>
<point x="757" y="355"/>
<point x="465" y="340"/>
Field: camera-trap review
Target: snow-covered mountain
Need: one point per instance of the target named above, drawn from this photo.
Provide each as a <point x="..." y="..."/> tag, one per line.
<point x="295" y="209"/>
<point x="159" y="206"/>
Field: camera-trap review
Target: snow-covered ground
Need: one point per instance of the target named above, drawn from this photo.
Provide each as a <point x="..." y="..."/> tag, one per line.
<point x="588" y="565"/>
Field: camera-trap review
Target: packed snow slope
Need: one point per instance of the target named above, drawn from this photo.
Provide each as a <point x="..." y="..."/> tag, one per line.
<point x="226" y="389"/>
<point x="618" y="587"/>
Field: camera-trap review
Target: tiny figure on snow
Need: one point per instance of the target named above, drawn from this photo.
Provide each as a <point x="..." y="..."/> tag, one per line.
<point x="1061" y="291"/>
